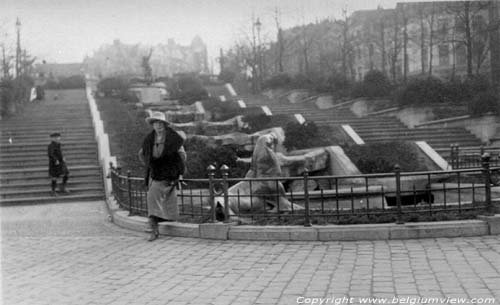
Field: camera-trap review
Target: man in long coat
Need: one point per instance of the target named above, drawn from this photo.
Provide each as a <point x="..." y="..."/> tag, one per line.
<point x="57" y="164"/>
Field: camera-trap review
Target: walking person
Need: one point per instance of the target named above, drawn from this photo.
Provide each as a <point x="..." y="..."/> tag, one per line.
<point x="163" y="156"/>
<point x="57" y="164"/>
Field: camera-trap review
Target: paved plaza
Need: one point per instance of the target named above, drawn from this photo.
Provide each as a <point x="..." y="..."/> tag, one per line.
<point x="72" y="254"/>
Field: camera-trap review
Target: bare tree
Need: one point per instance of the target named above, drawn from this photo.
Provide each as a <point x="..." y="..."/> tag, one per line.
<point x="146" y="66"/>
<point x="6" y="59"/>
<point x="470" y="31"/>
<point x="494" y="31"/>
<point x="404" y="20"/>
<point x="431" y="21"/>
<point x="280" y="49"/>
<point x="346" y="45"/>
<point x="396" y="45"/>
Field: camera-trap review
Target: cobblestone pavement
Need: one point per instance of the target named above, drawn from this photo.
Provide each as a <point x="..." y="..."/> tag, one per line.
<point x="71" y="254"/>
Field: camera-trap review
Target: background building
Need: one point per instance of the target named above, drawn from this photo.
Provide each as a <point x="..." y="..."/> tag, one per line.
<point x="165" y="59"/>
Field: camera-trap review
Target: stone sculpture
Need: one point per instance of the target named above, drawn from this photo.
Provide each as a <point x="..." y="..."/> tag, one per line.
<point x="258" y="196"/>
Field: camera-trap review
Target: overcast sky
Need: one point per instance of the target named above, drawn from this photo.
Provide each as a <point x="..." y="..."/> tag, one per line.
<point x="67" y="30"/>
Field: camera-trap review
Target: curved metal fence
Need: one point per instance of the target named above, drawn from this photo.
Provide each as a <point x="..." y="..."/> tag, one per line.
<point x="398" y="196"/>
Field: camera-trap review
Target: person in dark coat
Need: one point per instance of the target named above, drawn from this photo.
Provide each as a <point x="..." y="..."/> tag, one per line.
<point x="163" y="156"/>
<point x="57" y="164"/>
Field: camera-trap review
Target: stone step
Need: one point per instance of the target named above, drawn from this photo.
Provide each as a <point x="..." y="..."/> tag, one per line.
<point x="37" y="157"/>
<point x="21" y="136"/>
<point x="355" y="121"/>
<point x="435" y="136"/>
<point x="9" y="175"/>
<point x="434" y="143"/>
<point x="66" y="145"/>
<point x="45" y="184"/>
<point x="68" y="141"/>
<point x="397" y="131"/>
<point x="49" y="199"/>
<point x="409" y="136"/>
<point x="47" y="126"/>
<point x="28" y="193"/>
<point x="43" y="132"/>
<point x="43" y="162"/>
<point x="69" y="154"/>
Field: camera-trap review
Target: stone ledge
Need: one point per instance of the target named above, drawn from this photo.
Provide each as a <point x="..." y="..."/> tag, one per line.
<point x="438" y="229"/>
<point x="493" y="223"/>
<point x="260" y="233"/>
<point x="485" y="225"/>
<point x="136" y="223"/>
<point x="353" y="232"/>
<point x="179" y="229"/>
<point x="214" y="230"/>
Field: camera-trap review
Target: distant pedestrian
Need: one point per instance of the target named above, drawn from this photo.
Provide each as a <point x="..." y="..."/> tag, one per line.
<point x="163" y="156"/>
<point x="57" y="164"/>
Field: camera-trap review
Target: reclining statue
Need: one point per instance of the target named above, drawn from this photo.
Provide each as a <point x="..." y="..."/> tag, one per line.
<point x="258" y="196"/>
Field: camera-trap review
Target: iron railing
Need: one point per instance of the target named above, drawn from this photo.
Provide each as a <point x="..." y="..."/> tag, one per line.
<point x="465" y="157"/>
<point x="322" y="199"/>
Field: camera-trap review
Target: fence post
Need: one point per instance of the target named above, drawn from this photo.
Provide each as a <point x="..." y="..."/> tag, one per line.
<point x="397" y="172"/>
<point x="307" y="221"/>
<point x="129" y="190"/>
<point x="211" y="175"/>
<point x="485" y="160"/>
<point x="225" y="173"/>
<point x="452" y="155"/>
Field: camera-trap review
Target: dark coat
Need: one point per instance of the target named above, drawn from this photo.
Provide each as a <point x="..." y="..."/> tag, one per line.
<point x="169" y="166"/>
<point x="56" y="160"/>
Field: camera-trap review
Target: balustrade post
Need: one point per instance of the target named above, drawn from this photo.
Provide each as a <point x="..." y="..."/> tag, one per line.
<point x="211" y="175"/>
<point x="397" y="173"/>
<point x="225" y="173"/>
<point x="452" y="156"/>
<point x="111" y="170"/>
<point x="129" y="190"/>
<point x="485" y="160"/>
<point x="307" y="220"/>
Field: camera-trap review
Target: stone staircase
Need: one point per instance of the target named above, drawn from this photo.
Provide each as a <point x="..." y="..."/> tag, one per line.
<point x="375" y="129"/>
<point x="23" y="151"/>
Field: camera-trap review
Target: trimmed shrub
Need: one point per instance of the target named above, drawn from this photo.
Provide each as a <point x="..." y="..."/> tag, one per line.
<point x="112" y="86"/>
<point x="221" y="111"/>
<point x="484" y="102"/>
<point x="300" y="136"/>
<point x="189" y="89"/>
<point x="227" y="76"/>
<point x="375" y="84"/>
<point x="302" y="81"/>
<point x="261" y="121"/>
<point x="381" y="157"/>
<point x="72" y="82"/>
<point x="337" y="84"/>
<point x="200" y="156"/>
<point x="419" y="91"/>
<point x="6" y="97"/>
<point x="282" y="80"/>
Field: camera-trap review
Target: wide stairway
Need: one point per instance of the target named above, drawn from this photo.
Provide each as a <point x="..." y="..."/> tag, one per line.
<point x="23" y="152"/>
<point x="375" y="129"/>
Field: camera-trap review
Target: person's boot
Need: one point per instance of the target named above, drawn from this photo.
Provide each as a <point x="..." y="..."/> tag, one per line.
<point x="53" y="185"/>
<point x="63" y="189"/>
<point x="153" y="224"/>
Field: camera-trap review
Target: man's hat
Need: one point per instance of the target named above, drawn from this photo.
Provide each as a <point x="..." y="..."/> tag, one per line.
<point x="55" y="134"/>
<point x="157" y="116"/>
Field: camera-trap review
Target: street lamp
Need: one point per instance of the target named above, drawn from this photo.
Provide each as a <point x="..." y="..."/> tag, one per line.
<point x="18" y="47"/>
<point x="258" y="26"/>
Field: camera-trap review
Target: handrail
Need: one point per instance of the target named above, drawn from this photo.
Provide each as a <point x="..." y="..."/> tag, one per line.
<point x="402" y="193"/>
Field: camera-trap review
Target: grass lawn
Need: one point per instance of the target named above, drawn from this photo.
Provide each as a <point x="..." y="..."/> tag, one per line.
<point x="126" y="128"/>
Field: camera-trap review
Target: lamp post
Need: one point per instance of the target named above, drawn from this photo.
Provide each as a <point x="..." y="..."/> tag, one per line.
<point x="258" y="26"/>
<point x="18" y="47"/>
